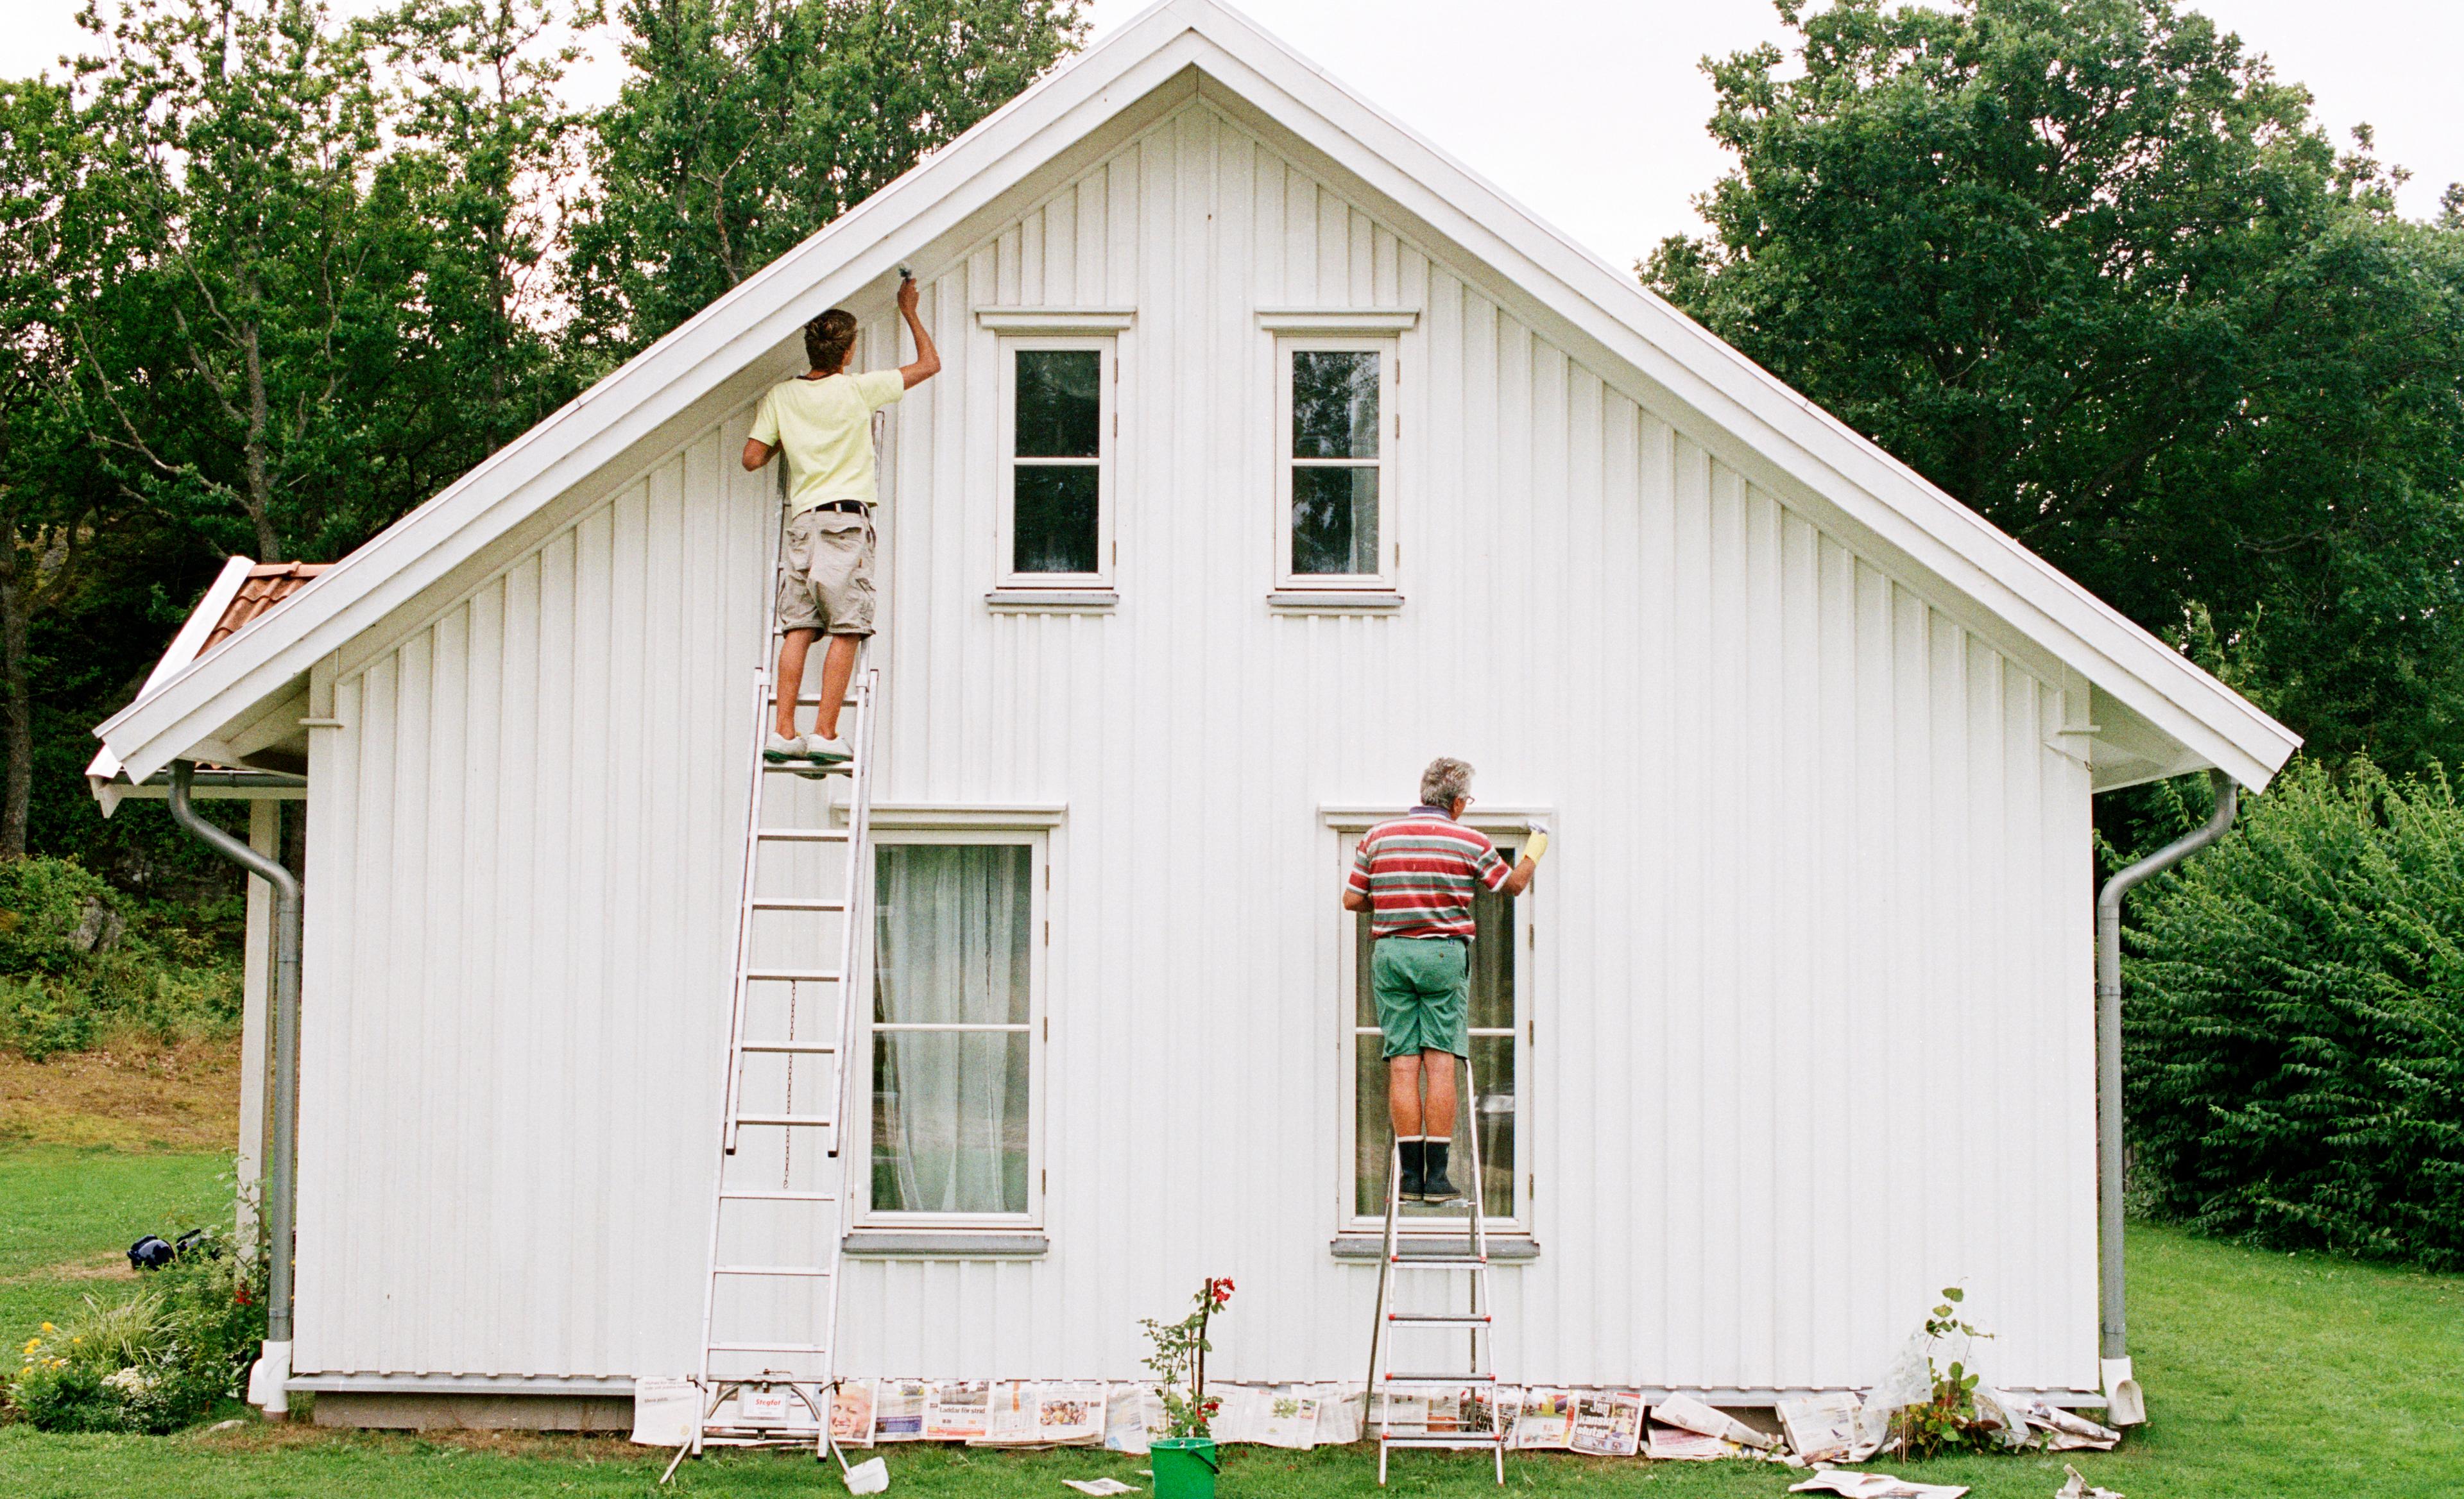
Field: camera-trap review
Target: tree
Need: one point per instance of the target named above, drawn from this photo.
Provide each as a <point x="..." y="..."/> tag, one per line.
<point x="749" y="124"/>
<point x="46" y="520"/>
<point x="2088" y="266"/>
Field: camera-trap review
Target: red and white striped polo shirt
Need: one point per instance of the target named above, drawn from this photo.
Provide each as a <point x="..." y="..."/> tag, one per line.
<point x="1419" y="872"/>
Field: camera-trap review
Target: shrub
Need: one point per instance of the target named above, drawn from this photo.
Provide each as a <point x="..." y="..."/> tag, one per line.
<point x="78" y="959"/>
<point x="2294" y="1023"/>
<point x="155" y="1361"/>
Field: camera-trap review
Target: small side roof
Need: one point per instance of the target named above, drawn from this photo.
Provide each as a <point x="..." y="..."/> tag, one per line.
<point x="2173" y="715"/>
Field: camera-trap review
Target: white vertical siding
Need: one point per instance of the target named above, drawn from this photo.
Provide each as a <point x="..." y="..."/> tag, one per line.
<point x="1811" y="984"/>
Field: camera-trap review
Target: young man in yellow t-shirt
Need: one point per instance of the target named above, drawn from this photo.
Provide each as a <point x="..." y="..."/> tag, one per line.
<point x="823" y="418"/>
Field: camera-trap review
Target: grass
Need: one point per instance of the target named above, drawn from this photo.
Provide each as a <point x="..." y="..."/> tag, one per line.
<point x="2267" y="1376"/>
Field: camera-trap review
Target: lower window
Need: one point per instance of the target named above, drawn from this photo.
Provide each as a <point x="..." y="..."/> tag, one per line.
<point x="953" y="1015"/>
<point x="1496" y="1061"/>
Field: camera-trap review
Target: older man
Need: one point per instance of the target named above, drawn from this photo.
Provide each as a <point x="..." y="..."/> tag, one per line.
<point x="1415" y="875"/>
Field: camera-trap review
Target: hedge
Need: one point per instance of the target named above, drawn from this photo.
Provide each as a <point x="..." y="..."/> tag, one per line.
<point x="2294" y="1023"/>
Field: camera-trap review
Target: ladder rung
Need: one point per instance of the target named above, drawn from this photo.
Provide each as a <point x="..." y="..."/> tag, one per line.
<point x="770" y="694"/>
<point x="806" y="768"/>
<point x="792" y="974"/>
<point x="1441" y="1318"/>
<point x="796" y="1047"/>
<point x="775" y="1195"/>
<point x="801" y="834"/>
<point x="1439" y="1378"/>
<point x="770" y="1348"/>
<point x="769" y="1270"/>
<point x="1420" y="1439"/>
<point x="792" y="1121"/>
<point x="796" y="903"/>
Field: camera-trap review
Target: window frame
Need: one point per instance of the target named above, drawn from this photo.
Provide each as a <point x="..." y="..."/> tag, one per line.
<point x="859" y="1187"/>
<point x="1389" y="347"/>
<point x="1507" y="829"/>
<point x="1107" y="348"/>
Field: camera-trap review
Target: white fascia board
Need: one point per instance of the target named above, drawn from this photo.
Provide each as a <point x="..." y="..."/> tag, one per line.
<point x="101" y="773"/>
<point x="1613" y="308"/>
<point x="604" y="422"/>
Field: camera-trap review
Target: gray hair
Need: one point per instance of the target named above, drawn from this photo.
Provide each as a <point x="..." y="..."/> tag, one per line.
<point x="1445" y="781"/>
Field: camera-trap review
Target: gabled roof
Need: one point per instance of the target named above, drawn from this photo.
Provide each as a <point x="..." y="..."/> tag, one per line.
<point x="1663" y="350"/>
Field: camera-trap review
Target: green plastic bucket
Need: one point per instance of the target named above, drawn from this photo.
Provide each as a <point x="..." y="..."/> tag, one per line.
<point x="1184" y="1467"/>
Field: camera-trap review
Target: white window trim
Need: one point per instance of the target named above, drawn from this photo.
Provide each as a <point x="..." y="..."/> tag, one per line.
<point x="1389" y="347"/>
<point x="1026" y="832"/>
<point x="1506" y="828"/>
<point x="1106" y="439"/>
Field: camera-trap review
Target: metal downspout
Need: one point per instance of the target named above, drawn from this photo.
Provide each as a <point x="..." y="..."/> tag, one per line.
<point x="283" y="1152"/>
<point x="2111" y="1343"/>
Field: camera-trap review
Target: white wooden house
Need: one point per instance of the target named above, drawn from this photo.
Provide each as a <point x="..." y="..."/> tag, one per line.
<point x="1796" y="1026"/>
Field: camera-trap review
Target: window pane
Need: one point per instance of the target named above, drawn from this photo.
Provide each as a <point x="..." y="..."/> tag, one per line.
<point x="1334" y="403"/>
<point x="949" y="1112"/>
<point x="1053" y="519"/>
<point x="1334" y="520"/>
<point x="949" y="928"/>
<point x="1060" y="402"/>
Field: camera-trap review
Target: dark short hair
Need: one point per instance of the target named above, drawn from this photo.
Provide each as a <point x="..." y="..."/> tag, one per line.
<point x="828" y="337"/>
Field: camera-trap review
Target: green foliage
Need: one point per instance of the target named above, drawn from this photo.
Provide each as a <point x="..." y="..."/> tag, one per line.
<point x="153" y="1361"/>
<point x="74" y="966"/>
<point x="2294" y="1023"/>
<point x="1178" y="1357"/>
<point x="1947" y="1419"/>
<point x="749" y="124"/>
<point x="2088" y="265"/>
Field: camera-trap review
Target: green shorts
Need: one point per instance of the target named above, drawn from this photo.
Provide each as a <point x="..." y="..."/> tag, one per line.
<point x="1422" y="986"/>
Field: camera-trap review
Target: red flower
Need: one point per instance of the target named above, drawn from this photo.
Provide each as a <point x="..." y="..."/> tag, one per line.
<point x="242" y="1292"/>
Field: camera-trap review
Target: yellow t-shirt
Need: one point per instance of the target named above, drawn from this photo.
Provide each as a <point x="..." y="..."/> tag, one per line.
<point x="826" y="428"/>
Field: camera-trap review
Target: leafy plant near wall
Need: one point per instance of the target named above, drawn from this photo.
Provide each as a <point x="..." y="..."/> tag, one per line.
<point x="1179" y="1362"/>
<point x="153" y="1362"/>
<point x="2294" y="1023"/>
<point x="1947" y="1420"/>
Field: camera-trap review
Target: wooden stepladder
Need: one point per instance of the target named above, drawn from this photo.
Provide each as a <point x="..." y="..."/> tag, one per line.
<point x="770" y="1297"/>
<point x="1477" y="1321"/>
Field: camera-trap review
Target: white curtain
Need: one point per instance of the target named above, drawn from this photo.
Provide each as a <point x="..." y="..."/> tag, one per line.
<point x="950" y="1106"/>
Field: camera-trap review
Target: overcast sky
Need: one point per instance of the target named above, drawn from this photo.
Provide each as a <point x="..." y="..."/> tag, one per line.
<point x="1591" y="112"/>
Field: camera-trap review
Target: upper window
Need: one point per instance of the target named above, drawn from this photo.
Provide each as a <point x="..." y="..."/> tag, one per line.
<point x="952" y="1038"/>
<point x="1336" y="477"/>
<point x="1057" y="435"/>
<point x="1497" y="1026"/>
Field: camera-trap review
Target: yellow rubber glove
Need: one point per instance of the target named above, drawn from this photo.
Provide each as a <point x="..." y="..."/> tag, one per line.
<point x="1536" y="844"/>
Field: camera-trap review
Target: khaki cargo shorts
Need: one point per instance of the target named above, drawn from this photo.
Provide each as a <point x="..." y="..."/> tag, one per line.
<point x="827" y="585"/>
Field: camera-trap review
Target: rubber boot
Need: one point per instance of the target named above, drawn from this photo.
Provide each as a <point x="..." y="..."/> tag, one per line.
<point x="1434" y="1185"/>
<point x="1411" y="1159"/>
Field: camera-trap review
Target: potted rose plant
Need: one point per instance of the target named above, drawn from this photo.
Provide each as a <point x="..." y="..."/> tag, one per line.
<point x="1185" y="1461"/>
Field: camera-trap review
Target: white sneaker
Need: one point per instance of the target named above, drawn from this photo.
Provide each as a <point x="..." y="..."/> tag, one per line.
<point x="779" y="748"/>
<point x="824" y="752"/>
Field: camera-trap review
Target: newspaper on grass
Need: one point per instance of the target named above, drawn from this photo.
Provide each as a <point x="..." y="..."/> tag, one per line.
<point x="1070" y="1415"/>
<point x="1677" y="1445"/>
<point x="1821" y="1427"/>
<point x="2066" y="1430"/>
<point x="1101" y="1486"/>
<point x="851" y="1412"/>
<point x="663" y="1411"/>
<point x="1608" y="1422"/>
<point x="1132" y="1418"/>
<point x="2077" y="1487"/>
<point x="1683" y="1410"/>
<point x="899" y="1410"/>
<point x="1009" y="1416"/>
<point x="1545" y="1420"/>
<point x="1290" y="1419"/>
<point x="955" y="1410"/>
<point x="1873" y="1485"/>
<point x="1241" y="1410"/>
<point x="1342" y="1413"/>
<point x="1400" y="1414"/>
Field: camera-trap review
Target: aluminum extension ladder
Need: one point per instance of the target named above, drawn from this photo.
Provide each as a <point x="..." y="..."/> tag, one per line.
<point x="1477" y="1319"/>
<point x="779" y="1213"/>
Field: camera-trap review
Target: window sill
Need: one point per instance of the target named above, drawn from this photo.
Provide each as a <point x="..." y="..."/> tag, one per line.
<point x="1503" y="1248"/>
<point x="1363" y="600"/>
<point x="944" y="1244"/>
<point x="1052" y="601"/>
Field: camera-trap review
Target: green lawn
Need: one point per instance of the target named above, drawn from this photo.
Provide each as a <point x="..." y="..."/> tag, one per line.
<point x="2267" y="1375"/>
